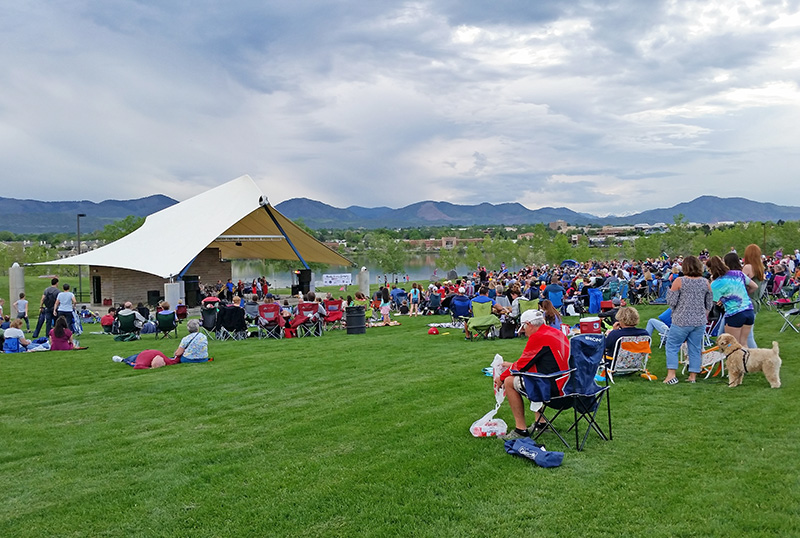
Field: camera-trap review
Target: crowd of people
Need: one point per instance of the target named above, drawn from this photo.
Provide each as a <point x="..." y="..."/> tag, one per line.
<point x="56" y="315"/>
<point x="694" y="285"/>
<point x="697" y="284"/>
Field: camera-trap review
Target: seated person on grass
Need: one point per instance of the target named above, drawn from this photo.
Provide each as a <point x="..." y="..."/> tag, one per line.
<point x="502" y="305"/>
<point x="661" y="323"/>
<point x="61" y="336"/>
<point x="546" y="352"/>
<point x="483" y="297"/>
<point x="166" y="309"/>
<point x="194" y="346"/>
<point x="627" y="319"/>
<point x="14" y="330"/>
<point x="128" y="310"/>
<point x="551" y="315"/>
<point x="107" y="321"/>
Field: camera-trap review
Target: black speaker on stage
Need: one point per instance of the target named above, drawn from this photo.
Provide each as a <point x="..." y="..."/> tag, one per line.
<point x="304" y="280"/>
<point x="191" y="287"/>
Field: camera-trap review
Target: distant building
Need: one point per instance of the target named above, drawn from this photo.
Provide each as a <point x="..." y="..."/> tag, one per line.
<point x="613" y="231"/>
<point x="558" y="225"/>
<point x="447" y="243"/>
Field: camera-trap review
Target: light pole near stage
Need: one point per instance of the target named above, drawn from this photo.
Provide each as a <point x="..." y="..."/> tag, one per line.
<point x="80" y="280"/>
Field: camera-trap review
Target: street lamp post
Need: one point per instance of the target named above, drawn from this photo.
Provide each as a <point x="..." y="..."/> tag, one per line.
<point x="80" y="282"/>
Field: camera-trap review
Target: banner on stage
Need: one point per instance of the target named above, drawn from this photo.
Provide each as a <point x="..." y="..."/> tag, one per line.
<point x="340" y="279"/>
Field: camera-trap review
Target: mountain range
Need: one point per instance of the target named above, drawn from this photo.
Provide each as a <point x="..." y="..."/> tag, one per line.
<point x="705" y="209"/>
<point x="32" y="216"/>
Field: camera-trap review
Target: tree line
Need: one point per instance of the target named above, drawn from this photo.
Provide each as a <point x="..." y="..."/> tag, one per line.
<point x="388" y="249"/>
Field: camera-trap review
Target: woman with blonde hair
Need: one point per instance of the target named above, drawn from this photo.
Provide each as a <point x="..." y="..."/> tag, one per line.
<point x="627" y="320"/>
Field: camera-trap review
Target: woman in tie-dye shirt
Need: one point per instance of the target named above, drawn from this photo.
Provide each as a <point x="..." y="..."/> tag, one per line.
<point x="730" y="288"/>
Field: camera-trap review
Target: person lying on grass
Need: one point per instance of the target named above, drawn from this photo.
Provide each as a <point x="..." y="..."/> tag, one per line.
<point x="193" y="348"/>
<point x="546" y="352"/>
<point x="149" y="358"/>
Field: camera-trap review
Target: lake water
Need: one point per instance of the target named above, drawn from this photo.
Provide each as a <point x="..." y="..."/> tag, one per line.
<point x="418" y="267"/>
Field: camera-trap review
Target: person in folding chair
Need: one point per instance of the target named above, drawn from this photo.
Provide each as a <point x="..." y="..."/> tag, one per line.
<point x="626" y="325"/>
<point x="547" y="351"/>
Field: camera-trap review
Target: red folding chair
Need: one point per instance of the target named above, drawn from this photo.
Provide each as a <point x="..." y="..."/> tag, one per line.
<point x="307" y="320"/>
<point x="270" y="322"/>
<point x="334" y="309"/>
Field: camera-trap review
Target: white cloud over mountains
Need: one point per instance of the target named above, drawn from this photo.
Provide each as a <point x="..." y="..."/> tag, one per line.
<point x="603" y="107"/>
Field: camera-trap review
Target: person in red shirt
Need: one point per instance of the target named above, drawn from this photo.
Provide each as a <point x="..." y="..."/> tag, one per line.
<point x="546" y="352"/>
<point x="108" y="319"/>
<point x="149" y="358"/>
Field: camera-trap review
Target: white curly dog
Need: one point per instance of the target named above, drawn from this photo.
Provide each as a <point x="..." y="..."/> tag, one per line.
<point x="741" y="360"/>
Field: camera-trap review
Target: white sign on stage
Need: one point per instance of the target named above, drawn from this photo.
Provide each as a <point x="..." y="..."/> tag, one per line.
<point x="341" y="279"/>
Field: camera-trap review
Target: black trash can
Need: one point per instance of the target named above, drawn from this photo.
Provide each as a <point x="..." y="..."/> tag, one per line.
<point x="355" y="319"/>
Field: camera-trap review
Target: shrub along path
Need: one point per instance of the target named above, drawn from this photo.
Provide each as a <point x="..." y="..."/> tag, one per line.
<point x="367" y="435"/>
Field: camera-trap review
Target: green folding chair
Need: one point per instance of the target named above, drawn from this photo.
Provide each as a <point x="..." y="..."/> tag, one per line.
<point x="483" y="322"/>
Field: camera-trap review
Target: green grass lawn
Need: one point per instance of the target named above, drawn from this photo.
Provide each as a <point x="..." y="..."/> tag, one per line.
<point x="367" y="435"/>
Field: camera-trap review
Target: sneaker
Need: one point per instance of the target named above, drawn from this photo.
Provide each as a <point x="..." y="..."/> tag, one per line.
<point x="513" y="434"/>
<point x="117" y="358"/>
<point x="536" y="427"/>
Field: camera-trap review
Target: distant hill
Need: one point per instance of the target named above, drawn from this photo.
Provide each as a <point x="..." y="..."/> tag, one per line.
<point x="710" y="209"/>
<point x="705" y="209"/>
<point x="33" y="216"/>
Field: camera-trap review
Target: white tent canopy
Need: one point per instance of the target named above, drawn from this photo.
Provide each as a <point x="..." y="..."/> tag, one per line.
<point x="235" y="217"/>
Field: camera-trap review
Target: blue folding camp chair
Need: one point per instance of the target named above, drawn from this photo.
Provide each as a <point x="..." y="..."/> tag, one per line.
<point x="574" y="388"/>
<point x="595" y="298"/>
<point x="12" y="345"/>
<point x="557" y="298"/>
<point x="459" y="308"/>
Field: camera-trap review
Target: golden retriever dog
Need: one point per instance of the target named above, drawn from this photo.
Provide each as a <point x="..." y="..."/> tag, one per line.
<point x="741" y="360"/>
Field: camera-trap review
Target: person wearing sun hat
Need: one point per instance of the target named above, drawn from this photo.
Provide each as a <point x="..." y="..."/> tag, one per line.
<point x="547" y="351"/>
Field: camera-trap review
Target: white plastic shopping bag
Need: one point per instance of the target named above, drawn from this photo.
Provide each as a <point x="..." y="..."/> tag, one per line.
<point x="487" y="425"/>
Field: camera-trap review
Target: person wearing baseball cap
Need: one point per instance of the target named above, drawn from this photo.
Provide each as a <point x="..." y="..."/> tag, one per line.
<point x="546" y="352"/>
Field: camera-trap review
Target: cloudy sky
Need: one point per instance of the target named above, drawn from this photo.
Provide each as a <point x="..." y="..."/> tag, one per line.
<point x="600" y="106"/>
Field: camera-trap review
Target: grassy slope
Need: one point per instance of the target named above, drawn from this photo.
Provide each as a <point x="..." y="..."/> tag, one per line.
<point x="368" y="435"/>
